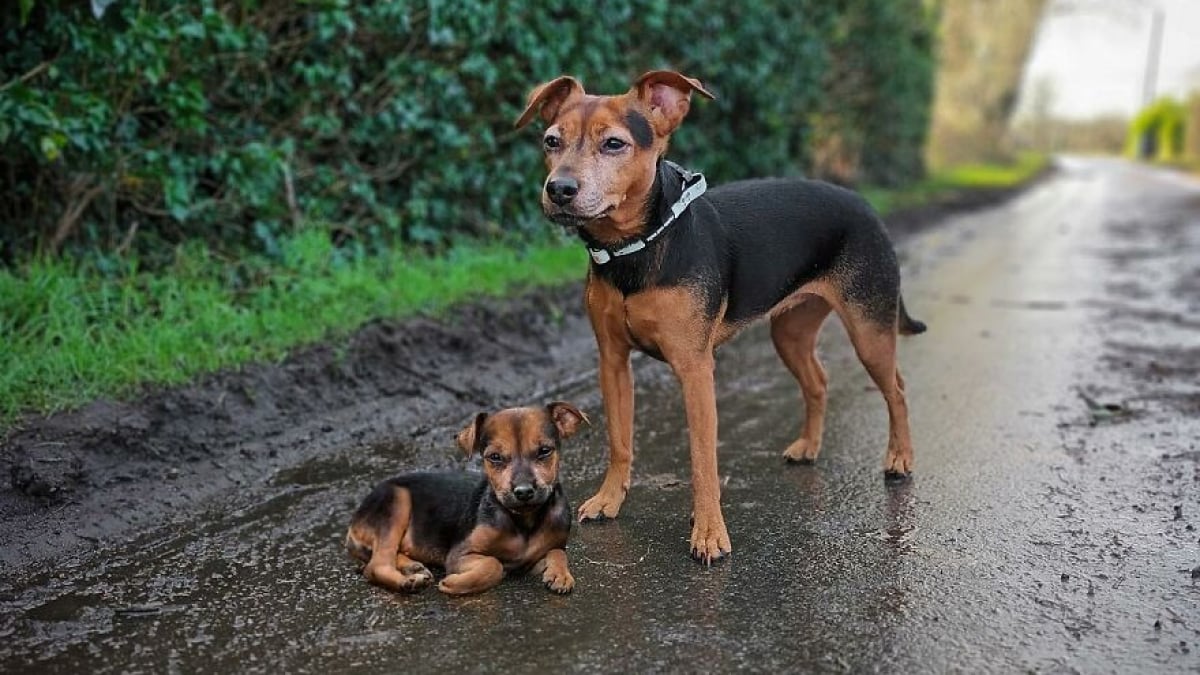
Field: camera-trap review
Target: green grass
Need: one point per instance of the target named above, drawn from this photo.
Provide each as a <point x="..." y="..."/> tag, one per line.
<point x="946" y="183"/>
<point x="70" y="336"/>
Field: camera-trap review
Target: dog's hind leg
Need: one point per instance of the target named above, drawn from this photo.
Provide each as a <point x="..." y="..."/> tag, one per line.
<point x="794" y="333"/>
<point x="386" y="565"/>
<point x="875" y="344"/>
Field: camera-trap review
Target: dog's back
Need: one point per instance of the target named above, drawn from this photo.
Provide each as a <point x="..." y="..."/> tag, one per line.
<point x="781" y="233"/>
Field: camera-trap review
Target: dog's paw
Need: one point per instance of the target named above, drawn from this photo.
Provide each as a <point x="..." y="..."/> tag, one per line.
<point x="601" y="506"/>
<point x="897" y="464"/>
<point x="454" y="585"/>
<point x="558" y="581"/>
<point x="802" y="452"/>
<point x="710" y="541"/>
<point x="416" y="577"/>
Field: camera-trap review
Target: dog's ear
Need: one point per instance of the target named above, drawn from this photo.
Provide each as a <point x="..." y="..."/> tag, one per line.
<point x="471" y="434"/>
<point x="548" y="98"/>
<point x="567" y="418"/>
<point x="667" y="95"/>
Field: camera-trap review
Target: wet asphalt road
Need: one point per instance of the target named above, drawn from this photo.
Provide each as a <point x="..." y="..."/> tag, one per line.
<point x="1051" y="524"/>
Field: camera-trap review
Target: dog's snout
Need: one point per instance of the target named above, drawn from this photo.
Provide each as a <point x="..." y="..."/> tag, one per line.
<point x="523" y="492"/>
<point x="562" y="190"/>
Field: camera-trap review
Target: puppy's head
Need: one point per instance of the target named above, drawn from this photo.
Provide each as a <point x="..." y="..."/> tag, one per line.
<point x="602" y="151"/>
<point x="520" y="448"/>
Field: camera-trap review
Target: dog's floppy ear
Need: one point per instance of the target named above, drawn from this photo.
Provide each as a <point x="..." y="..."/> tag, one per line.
<point x="471" y="434"/>
<point x="567" y="418"/>
<point x="667" y="96"/>
<point x="548" y="98"/>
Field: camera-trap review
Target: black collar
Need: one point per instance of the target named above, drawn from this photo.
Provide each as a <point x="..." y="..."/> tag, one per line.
<point x="681" y="187"/>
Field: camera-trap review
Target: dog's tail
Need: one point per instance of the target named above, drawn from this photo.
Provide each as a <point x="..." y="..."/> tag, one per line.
<point x="909" y="325"/>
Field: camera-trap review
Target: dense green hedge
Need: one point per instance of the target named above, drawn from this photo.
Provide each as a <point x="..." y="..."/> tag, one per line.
<point x="873" y="117"/>
<point x="236" y="122"/>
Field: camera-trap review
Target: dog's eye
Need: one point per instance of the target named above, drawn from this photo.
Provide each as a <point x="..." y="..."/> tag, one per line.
<point x="613" y="144"/>
<point x="545" y="451"/>
<point x="495" y="458"/>
<point x="552" y="142"/>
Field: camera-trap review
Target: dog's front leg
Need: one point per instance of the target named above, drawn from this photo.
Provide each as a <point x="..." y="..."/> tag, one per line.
<point x="710" y="540"/>
<point x="606" y="309"/>
<point x="471" y="573"/>
<point x="556" y="574"/>
<point x="616" y="388"/>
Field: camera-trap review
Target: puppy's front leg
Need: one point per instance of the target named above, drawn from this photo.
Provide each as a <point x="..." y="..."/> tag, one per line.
<point x="555" y="572"/>
<point x="471" y="573"/>
<point x="710" y="540"/>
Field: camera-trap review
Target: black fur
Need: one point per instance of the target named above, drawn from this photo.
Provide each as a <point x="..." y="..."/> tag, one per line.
<point x="639" y="127"/>
<point x="752" y="243"/>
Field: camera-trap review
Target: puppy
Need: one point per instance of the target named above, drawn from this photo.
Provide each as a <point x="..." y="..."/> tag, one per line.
<point x="511" y="519"/>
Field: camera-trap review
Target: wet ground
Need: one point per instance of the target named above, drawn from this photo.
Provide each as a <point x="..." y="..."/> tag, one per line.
<point x="1051" y="524"/>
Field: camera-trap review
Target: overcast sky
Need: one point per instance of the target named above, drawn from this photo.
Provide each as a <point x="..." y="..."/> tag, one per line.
<point x="1093" y="53"/>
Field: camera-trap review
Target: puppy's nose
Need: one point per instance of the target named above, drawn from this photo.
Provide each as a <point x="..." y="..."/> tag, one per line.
<point x="524" y="492"/>
<point x="562" y="190"/>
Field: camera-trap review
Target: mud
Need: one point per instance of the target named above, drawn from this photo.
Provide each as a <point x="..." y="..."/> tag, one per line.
<point x="1051" y="524"/>
<point x="86" y="477"/>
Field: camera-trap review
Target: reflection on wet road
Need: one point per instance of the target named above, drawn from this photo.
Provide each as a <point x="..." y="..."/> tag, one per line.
<point x="1032" y="536"/>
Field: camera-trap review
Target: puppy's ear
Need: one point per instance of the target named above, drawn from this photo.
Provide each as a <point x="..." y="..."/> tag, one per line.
<point x="567" y="418"/>
<point x="471" y="434"/>
<point x="548" y="98"/>
<point x="667" y="95"/>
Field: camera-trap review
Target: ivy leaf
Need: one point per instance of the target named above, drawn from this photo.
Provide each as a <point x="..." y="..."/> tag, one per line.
<point x="99" y="7"/>
<point x="177" y="195"/>
<point x="52" y="144"/>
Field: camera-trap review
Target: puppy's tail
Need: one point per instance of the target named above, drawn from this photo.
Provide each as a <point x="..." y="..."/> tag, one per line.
<point x="909" y="325"/>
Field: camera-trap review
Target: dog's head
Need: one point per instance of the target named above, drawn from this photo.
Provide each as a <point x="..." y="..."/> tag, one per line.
<point x="602" y="151"/>
<point x="520" y="449"/>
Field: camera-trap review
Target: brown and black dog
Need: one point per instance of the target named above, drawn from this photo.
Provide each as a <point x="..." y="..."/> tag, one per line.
<point x="677" y="271"/>
<point x="512" y="518"/>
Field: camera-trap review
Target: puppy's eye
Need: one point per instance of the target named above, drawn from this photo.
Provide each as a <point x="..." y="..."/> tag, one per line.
<point x="613" y="144"/>
<point x="545" y="451"/>
<point x="495" y="458"/>
<point x="552" y="142"/>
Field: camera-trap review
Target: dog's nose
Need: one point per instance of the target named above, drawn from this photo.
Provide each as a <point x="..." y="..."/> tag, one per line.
<point x="562" y="190"/>
<point x="523" y="492"/>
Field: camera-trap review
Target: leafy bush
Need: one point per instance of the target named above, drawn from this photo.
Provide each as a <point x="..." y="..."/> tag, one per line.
<point x="1156" y="133"/>
<point x="237" y="121"/>
<point x="873" y="118"/>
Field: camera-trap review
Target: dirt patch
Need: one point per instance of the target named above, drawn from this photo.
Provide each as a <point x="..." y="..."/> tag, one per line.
<point x="81" y="479"/>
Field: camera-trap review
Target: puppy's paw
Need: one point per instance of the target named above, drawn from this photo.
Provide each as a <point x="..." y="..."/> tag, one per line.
<point x="802" y="452"/>
<point x="558" y="581"/>
<point x="454" y="585"/>
<point x="415" y="577"/>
